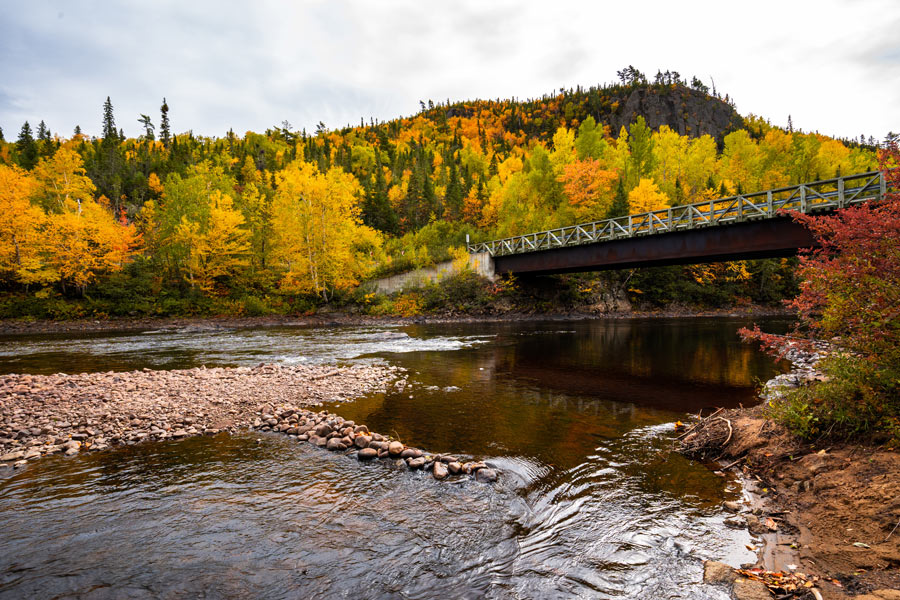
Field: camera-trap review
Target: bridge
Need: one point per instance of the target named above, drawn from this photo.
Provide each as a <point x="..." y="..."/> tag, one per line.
<point x="742" y="227"/>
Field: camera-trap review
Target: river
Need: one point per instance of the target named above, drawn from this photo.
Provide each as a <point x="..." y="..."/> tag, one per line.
<point x="577" y="415"/>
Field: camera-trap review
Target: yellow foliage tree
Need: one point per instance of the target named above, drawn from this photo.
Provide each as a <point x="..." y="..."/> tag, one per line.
<point x="712" y="273"/>
<point x="62" y="180"/>
<point x="319" y="237"/>
<point x="154" y="184"/>
<point x="219" y="248"/>
<point x="472" y="206"/>
<point x="85" y="240"/>
<point x="646" y="197"/>
<point x="21" y="229"/>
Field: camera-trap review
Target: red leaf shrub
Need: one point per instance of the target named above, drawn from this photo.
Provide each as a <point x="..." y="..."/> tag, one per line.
<point x="850" y="294"/>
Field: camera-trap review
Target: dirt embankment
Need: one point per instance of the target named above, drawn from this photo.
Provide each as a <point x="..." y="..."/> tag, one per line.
<point x="829" y="509"/>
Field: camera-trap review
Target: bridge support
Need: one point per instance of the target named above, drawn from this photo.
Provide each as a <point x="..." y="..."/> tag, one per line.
<point x="768" y="238"/>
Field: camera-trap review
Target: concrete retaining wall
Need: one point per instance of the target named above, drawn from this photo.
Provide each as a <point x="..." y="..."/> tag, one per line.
<point x="482" y="263"/>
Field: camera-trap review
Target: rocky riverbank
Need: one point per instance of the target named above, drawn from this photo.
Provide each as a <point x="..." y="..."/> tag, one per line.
<point x="49" y="414"/>
<point x="824" y="516"/>
<point x="327" y="319"/>
<point x="46" y="414"/>
<point x="332" y="432"/>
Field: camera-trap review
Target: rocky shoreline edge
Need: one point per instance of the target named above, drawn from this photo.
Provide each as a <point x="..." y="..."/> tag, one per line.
<point x="66" y="414"/>
<point x="331" y="432"/>
<point x="14" y="327"/>
<point x="821" y="517"/>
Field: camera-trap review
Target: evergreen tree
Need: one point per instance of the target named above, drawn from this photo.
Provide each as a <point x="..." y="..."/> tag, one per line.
<point x="109" y="122"/>
<point x="453" y="199"/>
<point x="619" y="206"/>
<point x="106" y="166"/>
<point x="45" y="145"/>
<point x="43" y="133"/>
<point x="148" y="126"/>
<point x="413" y="201"/>
<point x="429" y="198"/>
<point x="77" y="131"/>
<point x="376" y="208"/>
<point x="678" y="200"/>
<point x="1" y="135"/>
<point x="164" y="132"/>
<point x="26" y="149"/>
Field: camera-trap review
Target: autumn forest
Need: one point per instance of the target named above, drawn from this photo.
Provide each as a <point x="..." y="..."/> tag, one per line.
<point x="284" y="221"/>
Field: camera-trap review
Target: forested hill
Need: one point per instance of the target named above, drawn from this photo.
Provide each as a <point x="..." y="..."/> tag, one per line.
<point x="310" y="213"/>
<point x="687" y="111"/>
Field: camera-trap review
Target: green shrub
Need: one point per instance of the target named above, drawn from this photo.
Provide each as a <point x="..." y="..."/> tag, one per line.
<point x="255" y="307"/>
<point x="854" y="400"/>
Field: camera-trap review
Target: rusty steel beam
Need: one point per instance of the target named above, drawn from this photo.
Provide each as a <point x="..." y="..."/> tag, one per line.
<point x="769" y="238"/>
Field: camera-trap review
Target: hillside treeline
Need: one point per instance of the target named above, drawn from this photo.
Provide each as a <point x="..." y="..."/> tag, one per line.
<point x="281" y="220"/>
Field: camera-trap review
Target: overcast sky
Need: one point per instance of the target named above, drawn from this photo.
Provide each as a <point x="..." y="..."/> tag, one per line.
<point x="834" y="65"/>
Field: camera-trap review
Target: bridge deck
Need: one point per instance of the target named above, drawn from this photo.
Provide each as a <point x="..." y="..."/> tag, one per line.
<point x="738" y="227"/>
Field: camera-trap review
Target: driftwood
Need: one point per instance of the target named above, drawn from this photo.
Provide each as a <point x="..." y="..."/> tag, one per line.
<point x="707" y="438"/>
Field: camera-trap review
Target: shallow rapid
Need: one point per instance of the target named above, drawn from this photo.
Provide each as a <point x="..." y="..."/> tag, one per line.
<point x="577" y="416"/>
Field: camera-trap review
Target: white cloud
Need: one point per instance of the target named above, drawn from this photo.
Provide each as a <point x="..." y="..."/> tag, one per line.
<point x="833" y="65"/>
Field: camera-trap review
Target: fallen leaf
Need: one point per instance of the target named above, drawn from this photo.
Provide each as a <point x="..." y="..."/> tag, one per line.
<point x="861" y="545"/>
<point x="772" y="525"/>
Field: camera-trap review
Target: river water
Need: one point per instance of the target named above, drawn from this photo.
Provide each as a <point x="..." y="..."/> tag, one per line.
<point x="577" y="415"/>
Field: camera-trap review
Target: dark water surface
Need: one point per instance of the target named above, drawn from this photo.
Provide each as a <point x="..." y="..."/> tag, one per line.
<point x="577" y="415"/>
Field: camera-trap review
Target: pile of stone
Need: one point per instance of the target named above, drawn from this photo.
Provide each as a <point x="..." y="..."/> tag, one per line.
<point x="331" y="432"/>
<point x="49" y="414"/>
<point x="804" y="358"/>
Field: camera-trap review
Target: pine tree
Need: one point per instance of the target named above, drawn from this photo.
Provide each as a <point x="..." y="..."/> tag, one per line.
<point x="43" y="133"/>
<point x="429" y="198"/>
<point x="109" y="122"/>
<point x="45" y="145"/>
<point x="1" y="135"/>
<point x="148" y="126"/>
<point x="453" y="199"/>
<point x="619" y="207"/>
<point x="376" y="208"/>
<point x="26" y="149"/>
<point x="164" y="132"/>
<point x="77" y="131"/>
<point x="106" y="167"/>
<point x="679" y="194"/>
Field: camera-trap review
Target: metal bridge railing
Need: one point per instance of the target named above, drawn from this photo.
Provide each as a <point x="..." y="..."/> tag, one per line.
<point x="812" y="197"/>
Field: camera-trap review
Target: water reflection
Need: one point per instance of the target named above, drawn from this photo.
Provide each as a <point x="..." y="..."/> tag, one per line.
<point x="577" y="415"/>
